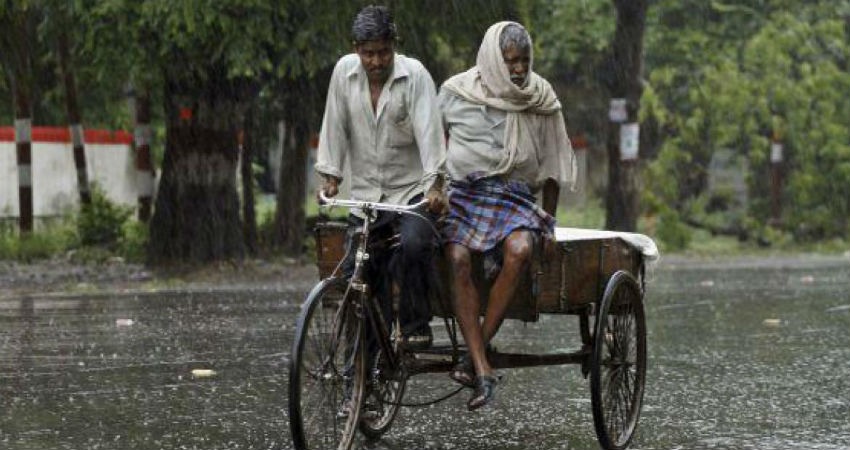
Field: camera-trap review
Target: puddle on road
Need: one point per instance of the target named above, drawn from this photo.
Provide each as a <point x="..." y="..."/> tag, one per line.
<point x="118" y="372"/>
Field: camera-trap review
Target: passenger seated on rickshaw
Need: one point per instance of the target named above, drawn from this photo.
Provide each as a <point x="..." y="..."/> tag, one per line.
<point x="506" y="141"/>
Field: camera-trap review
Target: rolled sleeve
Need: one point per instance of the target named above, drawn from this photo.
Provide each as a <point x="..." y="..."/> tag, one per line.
<point x="333" y="138"/>
<point x="428" y="128"/>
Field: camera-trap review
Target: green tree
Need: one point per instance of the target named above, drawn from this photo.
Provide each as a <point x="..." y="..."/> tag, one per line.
<point x="211" y="58"/>
<point x="572" y="45"/>
<point x="302" y="72"/>
<point x="729" y="78"/>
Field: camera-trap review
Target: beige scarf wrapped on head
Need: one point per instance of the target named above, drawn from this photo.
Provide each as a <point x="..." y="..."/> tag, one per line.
<point x="489" y="83"/>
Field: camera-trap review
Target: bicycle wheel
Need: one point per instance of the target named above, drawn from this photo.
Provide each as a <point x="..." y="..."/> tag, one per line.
<point x="382" y="402"/>
<point x="618" y="364"/>
<point x="326" y="372"/>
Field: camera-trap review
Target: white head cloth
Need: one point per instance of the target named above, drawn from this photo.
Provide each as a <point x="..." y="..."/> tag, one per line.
<point x="489" y="83"/>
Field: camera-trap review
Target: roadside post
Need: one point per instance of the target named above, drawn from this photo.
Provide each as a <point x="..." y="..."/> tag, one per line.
<point x="776" y="158"/>
<point x="139" y="104"/>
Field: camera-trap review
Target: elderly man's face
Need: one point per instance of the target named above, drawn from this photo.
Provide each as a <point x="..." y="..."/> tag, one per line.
<point x="377" y="59"/>
<point x="517" y="62"/>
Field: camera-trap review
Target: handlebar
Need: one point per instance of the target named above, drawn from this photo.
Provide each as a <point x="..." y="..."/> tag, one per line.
<point x="359" y="204"/>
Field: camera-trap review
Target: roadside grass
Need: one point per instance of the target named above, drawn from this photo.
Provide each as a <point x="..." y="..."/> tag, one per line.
<point x="590" y="215"/>
<point x="97" y="232"/>
<point x="54" y="238"/>
<point x="700" y="242"/>
<point x="51" y="238"/>
<point x="705" y="245"/>
<point x="265" y="211"/>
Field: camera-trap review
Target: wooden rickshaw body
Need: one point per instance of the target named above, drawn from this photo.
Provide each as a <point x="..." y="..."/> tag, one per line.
<point x="567" y="281"/>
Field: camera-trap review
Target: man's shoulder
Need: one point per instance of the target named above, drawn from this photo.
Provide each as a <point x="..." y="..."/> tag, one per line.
<point x="346" y="63"/>
<point x="449" y="98"/>
<point x="413" y="65"/>
<point x="463" y="78"/>
<point x="546" y="84"/>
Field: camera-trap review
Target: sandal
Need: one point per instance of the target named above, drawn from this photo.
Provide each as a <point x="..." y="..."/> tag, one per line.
<point x="485" y="389"/>
<point x="463" y="372"/>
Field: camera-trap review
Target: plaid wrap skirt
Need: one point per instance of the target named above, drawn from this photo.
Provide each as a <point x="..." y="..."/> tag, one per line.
<point x="483" y="211"/>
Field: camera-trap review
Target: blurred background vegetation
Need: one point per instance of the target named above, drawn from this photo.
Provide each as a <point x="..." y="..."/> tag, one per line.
<point x="721" y="80"/>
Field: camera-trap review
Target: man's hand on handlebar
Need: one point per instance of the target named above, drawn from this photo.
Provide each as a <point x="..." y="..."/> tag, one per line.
<point x="330" y="187"/>
<point x="437" y="202"/>
<point x="436" y="197"/>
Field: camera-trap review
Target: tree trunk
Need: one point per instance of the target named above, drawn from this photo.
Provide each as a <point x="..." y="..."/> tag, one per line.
<point x="301" y="104"/>
<point x="197" y="205"/>
<point x="248" y="214"/>
<point x="74" y="117"/>
<point x="627" y="58"/>
<point x="289" y="216"/>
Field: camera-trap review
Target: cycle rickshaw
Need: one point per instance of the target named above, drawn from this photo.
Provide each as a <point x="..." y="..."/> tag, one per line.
<point x="596" y="275"/>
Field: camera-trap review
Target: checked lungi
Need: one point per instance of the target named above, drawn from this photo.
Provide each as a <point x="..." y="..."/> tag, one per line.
<point x="483" y="211"/>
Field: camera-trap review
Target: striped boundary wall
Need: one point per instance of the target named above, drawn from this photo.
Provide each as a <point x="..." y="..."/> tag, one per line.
<point x="63" y="135"/>
<point x="51" y="175"/>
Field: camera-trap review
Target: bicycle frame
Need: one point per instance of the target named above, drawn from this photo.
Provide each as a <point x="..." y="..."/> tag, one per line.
<point x="366" y="306"/>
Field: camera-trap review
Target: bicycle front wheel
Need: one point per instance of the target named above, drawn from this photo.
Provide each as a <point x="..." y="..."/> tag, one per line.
<point x="327" y="370"/>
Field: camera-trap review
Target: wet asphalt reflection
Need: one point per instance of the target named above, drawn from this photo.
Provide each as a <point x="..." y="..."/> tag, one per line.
<point x="754" y="354"/>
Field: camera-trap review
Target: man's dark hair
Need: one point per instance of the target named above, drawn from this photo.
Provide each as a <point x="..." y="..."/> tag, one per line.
<point x="373" y="23"/>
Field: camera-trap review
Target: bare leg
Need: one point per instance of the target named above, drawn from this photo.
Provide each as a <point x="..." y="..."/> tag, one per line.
<point x="517" y="252"/>
<point x="467" y="305"/>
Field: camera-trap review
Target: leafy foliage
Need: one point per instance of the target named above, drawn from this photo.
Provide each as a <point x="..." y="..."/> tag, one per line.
<point x="720" y="76"/>
<point x="733" y="77"/>
<point x="42" y="243"/>
<point x="102" y="221"/>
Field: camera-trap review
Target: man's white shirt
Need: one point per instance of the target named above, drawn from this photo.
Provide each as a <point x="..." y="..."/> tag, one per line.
<point x="395" y="151"/>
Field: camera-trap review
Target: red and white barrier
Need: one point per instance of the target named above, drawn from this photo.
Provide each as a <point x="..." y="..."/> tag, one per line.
<point x="109" y="162"/>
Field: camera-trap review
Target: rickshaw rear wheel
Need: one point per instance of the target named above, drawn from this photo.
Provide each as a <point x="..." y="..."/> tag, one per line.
<point x="326" y="372"/>
<point x="618" y="362"/>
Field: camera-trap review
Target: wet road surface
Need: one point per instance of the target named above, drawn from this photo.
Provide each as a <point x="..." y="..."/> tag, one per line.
<point x="742" y="354"/>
